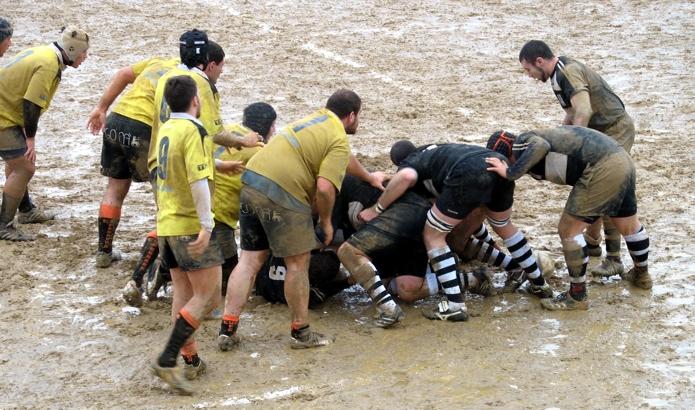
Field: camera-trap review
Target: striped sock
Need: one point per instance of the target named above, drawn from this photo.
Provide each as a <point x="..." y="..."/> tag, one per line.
<point x="377" y="291"/>
<point x="638" y="245"/>
<point x="521" y="252"/>
<point x="444" y="266"/>
<point x="489" y="254"/>
<point x="483" y="235"/>
<point x="612" y="240"/>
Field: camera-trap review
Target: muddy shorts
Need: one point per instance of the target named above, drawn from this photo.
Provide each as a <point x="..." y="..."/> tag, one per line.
<point x="265" y="224"/>
<point x="174" y="253"/>
<point x="225" y="238"/>
<point x="470" y="185"/>
<point x="623" y="132"/>
<point x="126" y="143"/>
<point x="605" y="188"/>
<point x="13" y="143"/>
<point x="393" y="240"/>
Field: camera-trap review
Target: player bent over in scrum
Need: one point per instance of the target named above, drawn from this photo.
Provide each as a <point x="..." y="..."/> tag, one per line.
<point x="184" y="226"/>
<point x="603" y="178"/>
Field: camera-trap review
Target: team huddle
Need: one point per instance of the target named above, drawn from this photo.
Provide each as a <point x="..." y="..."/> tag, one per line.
<point x="309" y="218"/>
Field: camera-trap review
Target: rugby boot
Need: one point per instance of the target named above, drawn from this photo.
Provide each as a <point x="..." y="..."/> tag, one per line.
<point x="305" y="338"/>
<point x="34" y="216"/>
<point x="228" y="339"/>
<point x="192" y="371"/>
<point x="173" y="376"/>
<point x="104" y="259"/>
<point x="389" y="319"/>
<point x="564" y="301"/>
<point x="639" y="277"/>
<point x="132" y="294"/>
<point x="10" y="233"/>
<point x="515" y="278"/>
<point x="608" y="267"/>
<point x="444" y="312"/>
<point x="484" y="286"/>
<point x="543" y="291"/>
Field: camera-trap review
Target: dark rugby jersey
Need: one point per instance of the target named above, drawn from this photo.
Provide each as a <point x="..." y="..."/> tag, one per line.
<point x="560" y="154"/>
<point x="571" y="77"/>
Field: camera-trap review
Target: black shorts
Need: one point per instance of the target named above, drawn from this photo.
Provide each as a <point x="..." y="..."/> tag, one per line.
<point x="174" y="253"/>
<point x="124" y="150"/>
<point x="13" y="143"/>
<point x="225" y="239"/>
<point x="393" y="240"/>
<point x="470" y="185"/>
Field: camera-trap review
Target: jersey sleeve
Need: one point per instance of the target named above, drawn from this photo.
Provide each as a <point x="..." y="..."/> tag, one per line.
<point x="39" y="89"/>
<point x="140" y="66"/>
<point x="533" y="149"/>
<point x="196" y="161"/>
<point x="576" y="80"/>
<point x="334" y="164"/>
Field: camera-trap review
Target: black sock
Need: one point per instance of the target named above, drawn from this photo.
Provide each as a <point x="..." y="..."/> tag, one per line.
<point x="182" y="331"/>
<point x="148" y="255"/>
<point x="578" y="290"/>
<point x="107" y="229"/>
<point x="298" y="333"/>
<point x="192" y="360"/>
<point x="26" y="205"/>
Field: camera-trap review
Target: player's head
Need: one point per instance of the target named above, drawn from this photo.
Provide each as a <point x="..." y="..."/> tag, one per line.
<point x="5" y="36"/>
<point x="74" y="43"/>
<point x="535" y="56"/>
<point x="346" y="104"/>
<point x="193" y="48"/>
<point x="260" y="117"/>
<point x="501" y="142"/>
<point x="215" y="61"/>
<point x="400" y="151"/>
<point x="180" y="93"/>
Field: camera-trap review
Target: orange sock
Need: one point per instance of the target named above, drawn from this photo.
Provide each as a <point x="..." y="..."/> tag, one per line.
<point x="109" y="211"/>
<point x="189" y="349"/>
<point x="152" y="234"/>
<point x="195" y="323"/>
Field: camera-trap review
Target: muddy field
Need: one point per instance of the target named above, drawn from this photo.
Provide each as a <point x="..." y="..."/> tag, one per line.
<point x="427" y="71"/>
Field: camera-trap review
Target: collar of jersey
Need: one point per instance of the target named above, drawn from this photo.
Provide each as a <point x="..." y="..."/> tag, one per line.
<point x="194" y="69"/>
<point x="60" y="56"/>
<point x="185" y="116"/>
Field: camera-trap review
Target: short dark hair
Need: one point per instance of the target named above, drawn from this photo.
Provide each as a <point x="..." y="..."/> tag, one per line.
<point x="534" y="49"/>
<point x="400" y="151"/>
<point x="179" y="92"/>
<point x="215" y="52"/>
<point x="343" y="102"/>
<point x="259" y="117"/>
<point x="5" y="29"/>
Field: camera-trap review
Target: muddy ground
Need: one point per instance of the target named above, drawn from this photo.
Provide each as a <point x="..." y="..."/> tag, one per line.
<point x="428" y="71"/>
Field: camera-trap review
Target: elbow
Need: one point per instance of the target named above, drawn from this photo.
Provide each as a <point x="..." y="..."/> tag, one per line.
<point x="324" y="187"/>
<point x="409" y="176"/>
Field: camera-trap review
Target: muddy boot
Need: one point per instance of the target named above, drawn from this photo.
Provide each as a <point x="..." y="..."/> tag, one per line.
<point x="104" y="260"/>
<point x="193" y="371"/>
<point x="639" y="277"/>
<point x="11" y="233"/>
<point x="155" y="280"/>
<point x="390" y="319"/>
<point x="173" y="376"/>
<point x="564" y="301"/>
<point x="543" y="291"/>
<point x="305" y="338"/>
<point x="608" y="267"/>
<point x="483" y="287"/>
<point x="227" y="338"/>
<point x="443" y="312"/>
<point x="34" y="216"/>
<point x="132" y="294"/>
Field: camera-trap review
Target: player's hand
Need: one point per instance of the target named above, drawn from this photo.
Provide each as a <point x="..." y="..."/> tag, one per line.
<point x="197" y="247"/>
<point x="368" y="214"/>
<point x="377" y="179"/>
<point x="95" y="123"/>
<point x="498" y="166"/>
<point x="230" y="167"/>
<point x="327" y="228"/>
<point x="250" y="140"/>
<point x="31" y="150"/>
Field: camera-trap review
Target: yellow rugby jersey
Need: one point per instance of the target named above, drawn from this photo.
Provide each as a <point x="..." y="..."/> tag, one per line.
<point x="227" y="187"/>
<point x="33" y="74"/>
<point x="209" y="110"/>
<point x="138" y="102"/>
<point x="315" y="146"/>
<point x="181" y="160"/>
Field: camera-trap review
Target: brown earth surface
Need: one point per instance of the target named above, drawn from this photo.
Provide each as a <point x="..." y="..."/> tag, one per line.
<point x="427" y="71"/>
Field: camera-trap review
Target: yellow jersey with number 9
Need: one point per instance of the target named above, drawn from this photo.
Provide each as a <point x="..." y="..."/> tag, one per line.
<point x="181" y="160"/>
